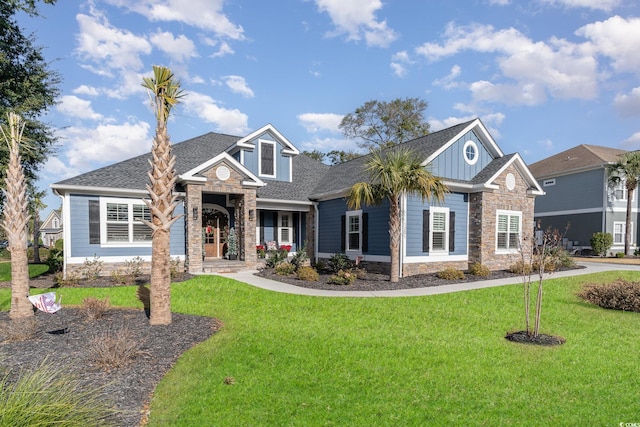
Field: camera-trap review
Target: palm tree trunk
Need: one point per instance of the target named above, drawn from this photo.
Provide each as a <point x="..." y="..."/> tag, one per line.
<point x="36" y="237"/>
<point x="160" y="298"/>
<point x="394" y="238"/>
<point x="20" y="306"/>
<point x="627" y="226"/>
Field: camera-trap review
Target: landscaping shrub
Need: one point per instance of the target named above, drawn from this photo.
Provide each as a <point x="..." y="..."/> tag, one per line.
<point x="20" y="329"/>
<point x="619" y="254"/>
<point x="340" y="262"/>
<point x="94" y="308"/>
<point x="619" y="295"/>
<point x="300" y="257"/>
<point x="276" y="257"/>
<point x="175" y="267"/>
<point x="360" y="273"/>
<point x="343" y="277"/>
<point x="71" y="280"/>
<point x="477" y="269"/>
<point x="55" y="260"/>
<point x="91" y="269"/>
<point x="450" y="273"/>
<point x="285" y="269"/>
<point x="520" y="268"/>
<point x="308" y="273"/>
<point x="114" y="348"/>
<point x="601" y="242"/>
<point x="52" y="396"/>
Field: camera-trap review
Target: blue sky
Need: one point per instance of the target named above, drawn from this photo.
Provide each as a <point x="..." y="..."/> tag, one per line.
<point x="543" y="75"/>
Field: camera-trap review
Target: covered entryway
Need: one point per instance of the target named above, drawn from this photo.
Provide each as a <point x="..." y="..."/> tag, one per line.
<point x="215" y="225"/>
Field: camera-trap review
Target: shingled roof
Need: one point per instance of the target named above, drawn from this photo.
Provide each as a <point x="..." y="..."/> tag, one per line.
<point x="344" y="175"/>
<point x="581" y="157"/>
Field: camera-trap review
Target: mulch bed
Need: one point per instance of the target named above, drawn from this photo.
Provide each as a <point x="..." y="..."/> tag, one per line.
<point x="129" y="388"/>
<point x="524" y="338"/>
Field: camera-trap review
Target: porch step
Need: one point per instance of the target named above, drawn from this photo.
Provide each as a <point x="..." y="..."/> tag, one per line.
<point x="224" y="266"/>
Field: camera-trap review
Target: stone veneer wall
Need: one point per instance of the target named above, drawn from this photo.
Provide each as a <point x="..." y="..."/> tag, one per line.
<point x="482" y="220"/>
<point x="245" y="201"/>
<point x="108" y="268"/>
<point x="310" y="233"/>
<point x="431" y="267"/>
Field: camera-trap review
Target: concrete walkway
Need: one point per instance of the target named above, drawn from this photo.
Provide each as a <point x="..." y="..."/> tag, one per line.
<point x="250" y="278"/>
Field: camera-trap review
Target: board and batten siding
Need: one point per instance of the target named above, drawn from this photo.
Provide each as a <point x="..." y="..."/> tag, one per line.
<point x="80" y="246"/>
<point x="283" y="163"/>
<point x="451" y="163"/>
<point x="583" y="190"/>
<point x="456" y="202"/>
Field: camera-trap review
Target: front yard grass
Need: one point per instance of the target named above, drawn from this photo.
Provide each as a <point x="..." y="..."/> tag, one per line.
<point x="34" y="270"/>
<point x="436" y="360"/>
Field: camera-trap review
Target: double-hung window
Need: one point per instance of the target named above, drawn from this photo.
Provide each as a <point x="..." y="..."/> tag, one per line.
<point x="354" y="231"/>
<point x="619" y="232"/>
<point x="122" y="222"/>
<point x="285" y="228"/>
<point x="509" y="225"/>
<point x="439" y="230"/>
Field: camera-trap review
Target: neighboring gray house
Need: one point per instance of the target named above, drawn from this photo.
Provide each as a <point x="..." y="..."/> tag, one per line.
<point x="51" y="228"/>
<point x="577" y="192"/>
<point x="261" y="185"/>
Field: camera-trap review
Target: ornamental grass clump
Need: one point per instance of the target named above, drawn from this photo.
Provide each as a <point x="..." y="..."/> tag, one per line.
<point x="52" y="396"/>
<point x="450" y="273"/>
<point x="19" y="329"/>
<point x="480" y="270"/>
<point x="619" y="295"/>
<point x="94" y="308"/>
<point x="343" y="278"/>
<point x="285" y="269"/>
<point x="308" y="273"/>
<point x="114" y="348"/>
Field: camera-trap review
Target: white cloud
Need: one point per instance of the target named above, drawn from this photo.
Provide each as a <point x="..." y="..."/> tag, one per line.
<point x="87" y="148"/>
<point x="533" y="69"/>
<point x="203" y="14"/>
<point x="605" y="5"/>
<point x="617" y="38"/>
<point x="631" y="143"/>
<point x="325" y="145"/>
<point x="109" y="47"/>
<point x="317" y="122"/>
<point x="357" y="19"/>
<point x="229" y="121"/>
<point x="239" y="85"/>
<point x="399" y="62"/>
<point x="449" y="81"/>
<point x="178" y="48"/>
<point x="499" y="2"/>
<point x="628" y="105"/>
<point x="78" y="108"/>
<point x="86" y="90"/>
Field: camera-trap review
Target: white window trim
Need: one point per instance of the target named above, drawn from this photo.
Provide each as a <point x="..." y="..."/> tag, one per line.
<point x="280" y="228"/>
<point x="260" y="143"/>
<point x="349" y="214"/>
<point x="446" y="230"/>
<point x="103" y="223"/>
<point x="467" y="144"/>
<point x="622" y="224"/>
<point x="622" y="186"/>
<point x="509" y="214"/>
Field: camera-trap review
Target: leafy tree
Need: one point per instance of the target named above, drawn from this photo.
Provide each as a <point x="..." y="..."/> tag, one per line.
<point x="16" y="219"/>
<point x="315" y="154"/>
<point x="393" y="173"/>
<point x="381" y="124"/>
<point x="28" y="86"/>
<point x="165" y="93"/>
<point x="35" y="205"/>
<point x="627" y="171"/>
<point x="334" y="156"/>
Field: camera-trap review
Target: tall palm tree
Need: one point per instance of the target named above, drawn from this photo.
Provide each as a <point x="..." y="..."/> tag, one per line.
<point x="164" y="91"/>
<point x="16" y="219"/>
<point x="626" y="170"/>
<point x="393" y="173"/>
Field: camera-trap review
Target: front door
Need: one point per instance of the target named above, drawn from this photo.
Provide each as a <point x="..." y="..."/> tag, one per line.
<point x="216" y="227"/>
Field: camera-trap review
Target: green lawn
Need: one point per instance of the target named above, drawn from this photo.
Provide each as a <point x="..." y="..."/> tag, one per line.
<point x="34" y="270"/>
<point x="434" y="360"/>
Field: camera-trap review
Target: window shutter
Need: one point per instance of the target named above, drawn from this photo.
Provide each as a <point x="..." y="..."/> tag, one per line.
<point x="94" y="222"/>
<point x="452" y="231"/>
<point x="425" y="230"/>
<point x="343" y="232"/>
<point x="365" y="232"/>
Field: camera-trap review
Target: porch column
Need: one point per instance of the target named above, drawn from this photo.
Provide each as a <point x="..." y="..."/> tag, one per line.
<point x="249" y="218"/>
<point x="194" y="228"/>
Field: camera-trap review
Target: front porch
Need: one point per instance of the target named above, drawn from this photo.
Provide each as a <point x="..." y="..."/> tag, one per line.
<point x="221" y="266"/>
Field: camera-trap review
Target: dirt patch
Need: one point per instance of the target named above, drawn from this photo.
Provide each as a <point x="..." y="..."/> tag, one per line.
<point x="525" y="338"/>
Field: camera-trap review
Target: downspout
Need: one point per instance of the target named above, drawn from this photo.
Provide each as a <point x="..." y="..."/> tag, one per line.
<point x="316" y="218"/>
<point x="403" y="228"/>
<point x="66" y="236"/>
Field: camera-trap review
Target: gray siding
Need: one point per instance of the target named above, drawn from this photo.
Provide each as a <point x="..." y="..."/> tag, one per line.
<point x="456" y="202"/>
<point x="451" y="163"/>
<point x="582" y="226"/>
<point x="80" y="247"/>
<point x="582" y="190"/>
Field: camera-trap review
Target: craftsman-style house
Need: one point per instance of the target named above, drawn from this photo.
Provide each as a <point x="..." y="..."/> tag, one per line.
<point x="272" y="195"/>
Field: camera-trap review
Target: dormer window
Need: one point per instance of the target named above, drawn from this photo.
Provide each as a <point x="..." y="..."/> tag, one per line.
<point x="267" y="152"/>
